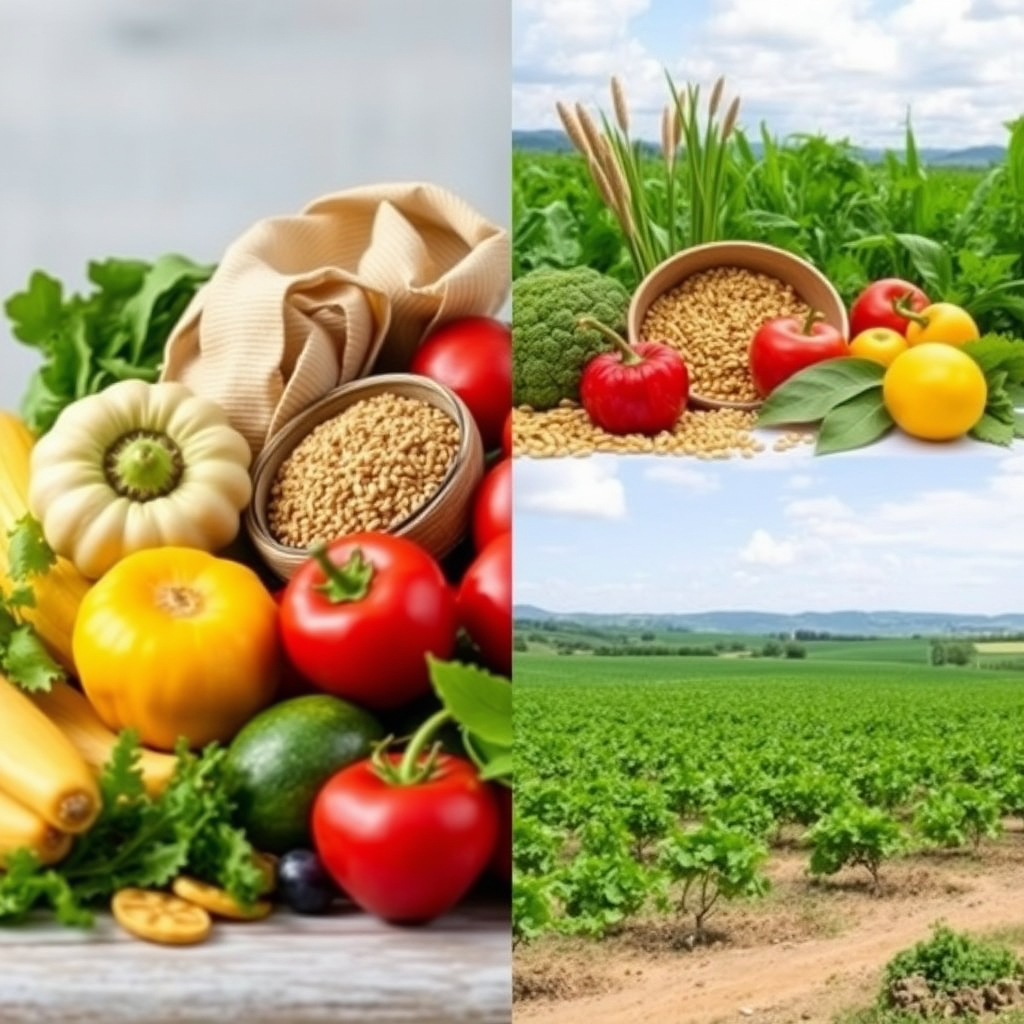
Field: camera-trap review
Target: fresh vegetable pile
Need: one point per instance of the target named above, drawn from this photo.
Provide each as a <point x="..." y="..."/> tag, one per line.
<point x="185" y="736"/>
<point x="950" y="358"/>
<point x="915" y="365"/>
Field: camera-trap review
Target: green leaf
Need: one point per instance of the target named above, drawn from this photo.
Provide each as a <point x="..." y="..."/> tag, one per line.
<point x="36" y="313"/>
<point x="121" y="776"/>
<point x="497" y="769"/>
<point x="27" y="662"/>
<point x="118" y="278"/>
<point x="932" y="260"/>
<point x="40" y="403"/>
<point x="996" y="353"/>
<point x="494" y="760"/>
<point x="118" y="330"/>
<point x="122" y="369"/>
<point x="169" y="273"/>
<point x="811" y="394"/>
<point x="28" y="553"/>
<point x="993" y="430"/>
<point x="479" y="701"/>
<point x="21" y="596"/>
<point x="857" y="422"/>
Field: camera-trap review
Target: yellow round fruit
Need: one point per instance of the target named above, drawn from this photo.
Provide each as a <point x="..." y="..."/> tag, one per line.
<point x="935" y="392"/>
<point x="879" y="344"/>
<point x="944" y="322"/>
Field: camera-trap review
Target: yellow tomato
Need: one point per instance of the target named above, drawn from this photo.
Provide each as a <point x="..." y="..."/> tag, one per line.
<point x="935" y="392"/>
<point x="941" y="321"/>
<point x="177" y="642"/>
<point x="879" y="344"/>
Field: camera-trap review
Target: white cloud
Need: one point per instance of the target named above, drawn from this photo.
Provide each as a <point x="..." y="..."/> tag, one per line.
<point x="587" y="488"/>
<point x="847" y="68"/>
<point x="684" y="477"/>
<point x="954" y="545"/>
<point x="817" y="509"/>
<point x="764" y="549"/>
<point x="800" y="482"/>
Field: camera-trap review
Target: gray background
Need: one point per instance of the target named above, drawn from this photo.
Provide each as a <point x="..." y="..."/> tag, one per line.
<point x="135" y="127"/>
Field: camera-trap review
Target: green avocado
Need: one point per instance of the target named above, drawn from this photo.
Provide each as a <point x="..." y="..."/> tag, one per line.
<point x="281" y="758"/>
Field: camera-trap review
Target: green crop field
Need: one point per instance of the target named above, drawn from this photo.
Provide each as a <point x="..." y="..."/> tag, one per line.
<point x="957" y="231"/>
<point x="643" y="781"/>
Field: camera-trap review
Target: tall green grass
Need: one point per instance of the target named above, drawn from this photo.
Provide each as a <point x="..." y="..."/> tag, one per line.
<point x="957" y="231"/>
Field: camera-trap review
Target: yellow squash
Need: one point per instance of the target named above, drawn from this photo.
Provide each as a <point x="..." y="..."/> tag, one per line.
<point x="77" y="719"/>
<point x="40" y="768"/>
<point x="176" y="642"/>
<point x="21" y="828"/>
<point x="60" y="591"/>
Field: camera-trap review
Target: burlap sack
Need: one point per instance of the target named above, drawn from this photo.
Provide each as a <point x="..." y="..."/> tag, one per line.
<point x="299" y="305"/>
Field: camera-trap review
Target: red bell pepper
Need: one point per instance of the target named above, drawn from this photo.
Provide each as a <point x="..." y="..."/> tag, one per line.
<point x="634" y="389"/>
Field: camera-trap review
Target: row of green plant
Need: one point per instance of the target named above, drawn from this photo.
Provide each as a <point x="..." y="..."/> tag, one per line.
<point x="670" y="794"/>
<point x="621" y="208"/>
<point x="629" y="852"/>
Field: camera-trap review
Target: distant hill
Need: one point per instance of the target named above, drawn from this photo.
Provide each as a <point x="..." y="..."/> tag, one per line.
<point x="553" y="140"/>
<point x="842" y="623"/>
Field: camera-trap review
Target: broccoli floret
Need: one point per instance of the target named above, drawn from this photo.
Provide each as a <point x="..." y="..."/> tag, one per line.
<point x="548" y="350"/>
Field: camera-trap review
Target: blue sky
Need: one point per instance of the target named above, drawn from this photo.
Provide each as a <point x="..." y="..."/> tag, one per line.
<point x="784" y="533"/>
<point x="847" y="68"/>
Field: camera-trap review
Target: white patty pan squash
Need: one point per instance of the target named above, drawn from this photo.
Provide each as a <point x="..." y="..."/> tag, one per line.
<point x="138" y="466"/>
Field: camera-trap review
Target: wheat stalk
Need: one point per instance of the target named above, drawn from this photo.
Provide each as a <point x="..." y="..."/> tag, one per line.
<point x="619" y="103"/>
<point x="601" y="180"/>
<point x="730" y="118"/>
<point x="572" y="128"/>
<point x="589" y="128"/>
<point x="716" y="97"/>
<point x="668" y="139"/>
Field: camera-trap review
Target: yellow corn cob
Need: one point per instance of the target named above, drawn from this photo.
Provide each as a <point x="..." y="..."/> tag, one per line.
<point x="41" y="768"/>
<point x="60" y="591"/>
<point x="21" y="828"/>
<point x="77" y="719"/>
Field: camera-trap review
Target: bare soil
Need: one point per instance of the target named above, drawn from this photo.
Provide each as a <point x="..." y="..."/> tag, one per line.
<point x="808" y="951"/>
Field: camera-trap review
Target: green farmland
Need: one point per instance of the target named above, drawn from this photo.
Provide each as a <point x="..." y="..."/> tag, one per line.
<point x="619" y="758"/>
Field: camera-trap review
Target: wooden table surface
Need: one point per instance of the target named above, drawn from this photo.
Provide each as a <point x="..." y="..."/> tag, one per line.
<point x="288" y="969"/>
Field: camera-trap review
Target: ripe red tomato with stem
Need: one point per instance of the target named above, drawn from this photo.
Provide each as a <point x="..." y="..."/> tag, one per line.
<point x="784" y="345"/>
<point x="485" y="603"/>
<point x="406" y="835"/>
<point x="492" y="504"/>
<point x="473" y="357"/>
<point x="359" y="617"/>
<point x="875" y="306"/>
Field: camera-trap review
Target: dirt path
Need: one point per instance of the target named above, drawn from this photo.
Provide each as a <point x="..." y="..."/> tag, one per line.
<point x="788" y="981"/>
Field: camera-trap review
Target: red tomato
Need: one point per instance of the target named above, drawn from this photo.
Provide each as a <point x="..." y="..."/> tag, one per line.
<point x="473" y="357"/>
<point x="406" y="852"/>
<point x="784" y="346"/>
<point x="485" y="603"/>
<point x="359" y="619"/>
<point x="492" y="504"/>
<point x="290" y="684"/>
<point x="874" y="307"/>
<point x="506" y="436"/>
